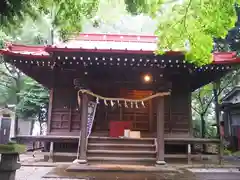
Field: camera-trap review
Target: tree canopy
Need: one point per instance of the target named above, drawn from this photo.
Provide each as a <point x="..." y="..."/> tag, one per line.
<point x="183" y="25"/>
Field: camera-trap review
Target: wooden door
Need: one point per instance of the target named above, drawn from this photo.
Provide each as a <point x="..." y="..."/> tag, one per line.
<point x="139" y="116"/>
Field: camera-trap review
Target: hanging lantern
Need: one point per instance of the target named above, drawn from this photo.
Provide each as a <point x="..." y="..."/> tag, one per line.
<point x="131" y="104"/>
<point x="143" y="104"/>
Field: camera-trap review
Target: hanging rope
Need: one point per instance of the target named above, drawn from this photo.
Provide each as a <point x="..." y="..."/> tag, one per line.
<point x="118" y="100"/>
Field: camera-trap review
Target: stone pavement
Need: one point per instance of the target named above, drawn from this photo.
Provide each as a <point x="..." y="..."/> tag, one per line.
<point x="34" y="169"/>
<point x="35" y="173"/>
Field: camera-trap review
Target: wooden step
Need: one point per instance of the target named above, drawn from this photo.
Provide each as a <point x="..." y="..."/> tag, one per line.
<point x="109" y="146"/>
<point x="122" y="154"/>
<point x="112" y="140"/>
<point x="117" y="153"/>
<point x="120" y="160"/>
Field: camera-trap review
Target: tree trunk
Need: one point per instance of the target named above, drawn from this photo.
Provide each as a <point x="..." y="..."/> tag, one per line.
<point x="41" y="129"/>
<point x="203" y="126"/>
<point x="40" y="122"/>
<point x="32" y="126"/>
<point x="203" y="131"/>
<point x="217" y="109"/>
<point x="216" y="87"/>
<point x="16" y="131"/>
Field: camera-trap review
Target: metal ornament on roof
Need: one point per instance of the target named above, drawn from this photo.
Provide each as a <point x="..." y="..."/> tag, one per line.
<point x="117" y="61"/>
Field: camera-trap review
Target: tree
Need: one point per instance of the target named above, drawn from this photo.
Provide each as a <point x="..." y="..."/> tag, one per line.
<point x="33" y="101"/>
<point x="203" y="100"/>
<point x="11" y="82"/>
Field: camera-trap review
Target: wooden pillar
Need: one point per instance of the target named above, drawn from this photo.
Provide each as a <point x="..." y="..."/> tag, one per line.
<point x="190" y="114"/>
<point x="51" y="152"/>
<point x="189" y="155"/>
<point x="150" y="117"/>
<point x="160" y="131"/>
<point x="50" y="111"/>
<point x="216" y="86"/>
<point x="83" y="135"/>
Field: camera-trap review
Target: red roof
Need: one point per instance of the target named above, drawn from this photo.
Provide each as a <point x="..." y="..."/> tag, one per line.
<point x="108" y="43"/>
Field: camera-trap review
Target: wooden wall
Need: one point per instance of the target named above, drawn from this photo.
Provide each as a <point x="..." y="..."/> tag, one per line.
<point x="65" y="112"/>
<point x="177" y="113"/>
<point x="65" y="118"/>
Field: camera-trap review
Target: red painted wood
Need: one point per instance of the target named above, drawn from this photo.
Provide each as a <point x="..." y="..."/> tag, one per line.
<point x="117" y="128"/>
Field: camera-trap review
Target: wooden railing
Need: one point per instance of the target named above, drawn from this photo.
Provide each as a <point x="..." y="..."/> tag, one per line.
<point x="190" y="142"/>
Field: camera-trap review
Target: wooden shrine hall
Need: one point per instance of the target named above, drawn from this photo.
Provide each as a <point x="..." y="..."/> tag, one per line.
<point x="117" y="72"/>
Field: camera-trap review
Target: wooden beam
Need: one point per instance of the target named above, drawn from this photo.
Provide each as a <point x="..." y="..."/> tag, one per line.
<point x="70" y="115"/>
<point x="150" y="116"/>
<point x="160" y="132"/>
<point x="83" y="135"/>
<point x="190" y="114"/>
<point x="50" y="110"/>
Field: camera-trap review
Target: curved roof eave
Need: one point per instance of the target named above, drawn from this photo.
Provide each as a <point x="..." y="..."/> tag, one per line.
<point x="105" y="43"/>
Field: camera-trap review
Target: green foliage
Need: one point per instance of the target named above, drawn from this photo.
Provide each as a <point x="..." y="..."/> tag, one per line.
<point x="195" y="23"/>
<point x="33" y="100"/>
<point x="210" y="132"/>
<point x="12" y="11"/>
<point x="12" y="148"/>
<point x="227" y="152"/>
<point x="67" y="15"/>
<point x="11" y="80"/>
<point x="203" y="102"/>
<point x="136" y="7"/>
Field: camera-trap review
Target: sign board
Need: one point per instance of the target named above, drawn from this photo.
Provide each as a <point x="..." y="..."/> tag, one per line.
<point x="92" y="106"/>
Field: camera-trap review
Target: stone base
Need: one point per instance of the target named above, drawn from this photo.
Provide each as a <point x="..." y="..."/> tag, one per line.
<point x="160" y="162"/>
<point x="7" y="175"/>
<point x="8" y="166"/>
<point x="80" y="161"/>
<point x="119" y="168"/>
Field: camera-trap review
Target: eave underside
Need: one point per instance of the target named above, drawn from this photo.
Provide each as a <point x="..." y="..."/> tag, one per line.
<point x="116" y="70"/>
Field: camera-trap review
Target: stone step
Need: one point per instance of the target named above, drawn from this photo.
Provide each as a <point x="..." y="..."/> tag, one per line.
<point x="122" y="160"/>
<point x="111" y="140"/>
<point x="122" y="154"/>
<point x="111" y="146"/>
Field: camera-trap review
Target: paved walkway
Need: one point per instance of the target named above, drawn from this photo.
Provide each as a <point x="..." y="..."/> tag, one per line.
<point x="35" y="173"/>
<point x="35" y="170"/>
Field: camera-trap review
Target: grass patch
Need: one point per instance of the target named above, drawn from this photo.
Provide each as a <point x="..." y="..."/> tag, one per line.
<point x="237" y="153"/>
<point x="12" y="148"/>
